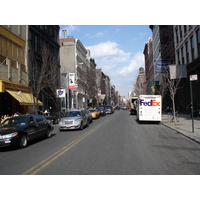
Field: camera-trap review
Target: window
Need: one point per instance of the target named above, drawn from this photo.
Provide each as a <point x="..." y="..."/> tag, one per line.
<point x="178" y="57"/>
<point x="39" y="118"/>
<point x="192" y="47"/>
<point x="187" y="52"/>
<point x="180" y="31"/>
<point x="37" y="43"/>
<point x="185" y="29"/>
<point x="198" y="41"/>
<point x="176" y="36"/>
<point x="31" y="37"/>
<point x="182" y="55"/>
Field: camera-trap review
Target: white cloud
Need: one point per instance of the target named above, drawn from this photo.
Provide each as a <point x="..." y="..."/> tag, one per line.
<point x="108" y="56"/>
<point x="135" y="64"/>
<point x="117" y="64"/>
<point x="108" y="52"/>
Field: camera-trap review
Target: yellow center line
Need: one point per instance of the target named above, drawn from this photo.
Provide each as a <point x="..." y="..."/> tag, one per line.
<point x="34" y="170"/>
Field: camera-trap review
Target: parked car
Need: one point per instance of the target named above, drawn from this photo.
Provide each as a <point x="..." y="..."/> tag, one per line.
<point x="73" y="119"/>
<point x="95" y="113"/>
<point x="109" y="109"/>
<point x="102" y="111"/>
<point x="18" y="131"/>
<point x="89" y="115"/>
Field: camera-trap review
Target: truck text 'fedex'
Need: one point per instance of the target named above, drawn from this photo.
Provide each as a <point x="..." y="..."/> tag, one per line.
<point x="150" y="103"/>
<point x="149" y="108"/>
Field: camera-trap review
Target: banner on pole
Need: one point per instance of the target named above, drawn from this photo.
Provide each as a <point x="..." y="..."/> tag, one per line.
<point x="99" y="92"/>
<point x="161" y="66"/>
<point x="72" y="83"/>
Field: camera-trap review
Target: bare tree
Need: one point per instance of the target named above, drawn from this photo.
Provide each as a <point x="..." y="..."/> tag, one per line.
<point x="43" y="74"/>
<point x="173" y="87"/>
<point x="164" y="86"/>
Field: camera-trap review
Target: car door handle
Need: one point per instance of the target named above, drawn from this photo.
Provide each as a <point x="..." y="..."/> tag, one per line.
<point x="36" y="125"/>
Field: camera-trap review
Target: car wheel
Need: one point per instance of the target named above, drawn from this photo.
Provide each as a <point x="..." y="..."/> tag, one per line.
<point x="81" y="127"/>
<point x="87" y="123"/>
<point x="48" y="133"/>
<point x="23" y="141"/>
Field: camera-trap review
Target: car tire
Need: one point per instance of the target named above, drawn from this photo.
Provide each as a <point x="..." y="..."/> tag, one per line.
<point x="48" y="133"/>
<point x="81" y="127"/>
<point x="23" y="141"/>
<point x="87" y="124"/>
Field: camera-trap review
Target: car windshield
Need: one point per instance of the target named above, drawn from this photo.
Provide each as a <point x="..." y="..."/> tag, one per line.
<point x="11" y="122"/>
<point x="73" y="114"/>
<point x="108" y="107"/>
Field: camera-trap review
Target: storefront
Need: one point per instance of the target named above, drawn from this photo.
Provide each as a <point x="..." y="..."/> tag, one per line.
<point x="15" y="98"/>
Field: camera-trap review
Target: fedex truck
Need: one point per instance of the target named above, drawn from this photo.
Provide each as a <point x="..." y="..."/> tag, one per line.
<point x="149" y="108"/>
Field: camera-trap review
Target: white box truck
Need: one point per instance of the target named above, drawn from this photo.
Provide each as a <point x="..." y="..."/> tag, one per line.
<point x="149" y="108"/>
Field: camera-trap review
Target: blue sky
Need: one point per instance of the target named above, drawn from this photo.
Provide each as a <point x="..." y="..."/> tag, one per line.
<point x="117" y="50"/>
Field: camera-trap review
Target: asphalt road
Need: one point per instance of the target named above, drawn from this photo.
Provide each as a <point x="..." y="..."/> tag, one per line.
<point x="112" y="145"/>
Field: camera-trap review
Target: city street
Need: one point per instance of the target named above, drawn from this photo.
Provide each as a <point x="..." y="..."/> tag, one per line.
<point x="112" y="145"/>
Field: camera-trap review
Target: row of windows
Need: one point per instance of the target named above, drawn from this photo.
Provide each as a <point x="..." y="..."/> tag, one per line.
<point x="36" y="42"/>
<point x="50" y="30"/>
<point x="180" y="31"/>
<point x="190" y="49"/>
<point x="11" y="50"/>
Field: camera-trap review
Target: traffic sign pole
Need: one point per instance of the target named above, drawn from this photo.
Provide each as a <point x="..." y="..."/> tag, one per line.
<point x="192" y="111"/>
<point x="192" y="78"/>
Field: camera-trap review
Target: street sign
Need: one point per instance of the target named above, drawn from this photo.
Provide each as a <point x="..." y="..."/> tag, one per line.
<point x="193" y="77"/>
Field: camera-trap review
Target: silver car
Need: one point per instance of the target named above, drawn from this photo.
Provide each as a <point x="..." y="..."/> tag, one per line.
<point x="73" y="119"/>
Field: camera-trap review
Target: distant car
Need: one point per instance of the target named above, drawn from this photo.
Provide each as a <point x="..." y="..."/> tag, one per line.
<point x="73" y="119"/>
<point x="95" y="113"/>
<point x="124" y="107"/>
<point x="109" y="109"/>
<point x="18" y="131"/>
<point x="102" y="111"/>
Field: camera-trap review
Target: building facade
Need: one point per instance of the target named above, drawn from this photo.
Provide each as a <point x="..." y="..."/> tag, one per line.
<point x="44" y="64"/>
<point x="187" y="52"/>
<point x="20" y="44"/>
<point x="73" y="59"/>
<point x="15" y="95"/>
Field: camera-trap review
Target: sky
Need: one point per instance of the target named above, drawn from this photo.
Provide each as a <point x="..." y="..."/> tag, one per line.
<point x="116" y="49"/>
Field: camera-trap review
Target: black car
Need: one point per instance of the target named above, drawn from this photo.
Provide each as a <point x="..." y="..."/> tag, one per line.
<point x="18" y="131"/>
<point x="109" y="109"/>
<point x="102" y="111"/>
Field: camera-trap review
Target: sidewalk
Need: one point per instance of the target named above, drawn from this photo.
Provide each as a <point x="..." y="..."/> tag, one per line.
<point x="184" y="125"/>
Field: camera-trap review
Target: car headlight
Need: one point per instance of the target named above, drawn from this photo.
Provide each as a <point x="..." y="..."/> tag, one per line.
<point x="78" y="121"/>
<point x="7" y="136"/>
